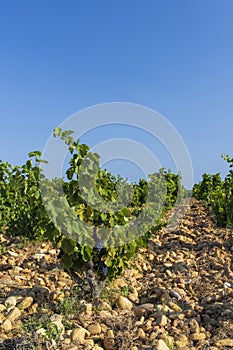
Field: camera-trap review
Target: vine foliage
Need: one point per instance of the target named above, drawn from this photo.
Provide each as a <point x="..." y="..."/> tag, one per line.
<point x="218" y="194"/>
<point x="72" y="212"/>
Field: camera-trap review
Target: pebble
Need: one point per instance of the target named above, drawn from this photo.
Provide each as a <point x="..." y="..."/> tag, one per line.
<point x="88" y="308"/>
<point x="94" y="329"/>
<point x="11" y="301"/>
<point x="79" y="334"/>
<point x="194" y="326"/>
<point x="108" y="343"/>
<point x="14" y="254"/>
<point x="13" y="314"/>
<point x="162" y="345"/>
<point x="72" y="347"/>
<point x="38" y="256"/>
<point x="162" y="320"/>
<point x="2" y="318"/>
<point x="25" y="303"/>
<point x="41" y="331"/>
<point x="174" y="306"/>
<point x="6" y="326"/>
<point x="143" y="309"/>
<point x="169" y="297"/>
<point x="224" y="342"/>
<point x="141" y="334"/>
<point x="197" y="336"/>
<point x="105" y="314"/>
<point x="124" y="303"/>
<point x="2" y="307"/>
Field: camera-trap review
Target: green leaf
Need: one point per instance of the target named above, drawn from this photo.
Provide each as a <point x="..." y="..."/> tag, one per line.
<point x="68" y="245"/>
<point x="57" y="131"/>
<point x="66" y="261"/>
<point x="35" y="154"/>
<point x="86" y="253"/>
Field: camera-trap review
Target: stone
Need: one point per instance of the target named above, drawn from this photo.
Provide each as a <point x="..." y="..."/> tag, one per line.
<point x="141" y="334"/>
<point x="148" y="325"/>
<point x="119" y="282"/>
<point x="162" y="308"/>
<point x="56" y="318"/>
<point x="72" y="347"/>
<point x="174" y="306"/>
<point x="162" y="345"/>
<point x="110" y="333"/>
<point x="88" y="308"/>
<point x="183" y="338"/>
<point x="169" y="273"/>
<point x="133" y="297"/>
<point x="136" y="274"/>
<point x="38" y="256"/>
<point x="180" y="344"/>
<point x="14" y="254"/>
<point x="59" y="325"/>
<point x="133" y="290"/>
<point x="17" y="325"/>
<point x="41" y="331"/>
<point x="176" y="315"/>
<point x="165" y="297"/>
<point x="133" y="294"/>
<point x="194" y="326"/>
<point x="6" y="326"/>
<point x="2" y="307"/>
<point x="153" y="335"/>
<point x="190" y="313"/>
<point x="94" y="328"/>
<point x="25" y="303"/>
<point x="197" y="336"/>
<point x="224" y="342"/>
<point x="2" y="318"/>
<point x="52" y="252"/>
<point x="89" y="342"/>
<point x="10" y="302"/>
<point x="143" y="309"/>
<point x="14" y="314"/>
<point x="162" y="320"/>
<point x="60" y="284"/>
<point x="79" y="334"/>
<point x="151" y="256"/>
<point x="105" y="306"/>
<point x="105" y="314"/>
<point x="182" y="341"/>
<point x="108" y="344"/>
<point x="178" y="293"/>
<point x="124" y="303"/>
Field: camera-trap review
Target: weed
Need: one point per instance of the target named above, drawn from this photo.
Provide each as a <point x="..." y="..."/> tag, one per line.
<point x="125" y="290"/>
<point x="3" y="250"/>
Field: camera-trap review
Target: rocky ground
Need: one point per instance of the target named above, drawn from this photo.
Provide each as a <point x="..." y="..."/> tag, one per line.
<point x="177" y="294"/>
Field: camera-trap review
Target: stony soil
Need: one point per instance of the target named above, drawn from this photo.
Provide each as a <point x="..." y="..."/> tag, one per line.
<point x="177" y="294"/>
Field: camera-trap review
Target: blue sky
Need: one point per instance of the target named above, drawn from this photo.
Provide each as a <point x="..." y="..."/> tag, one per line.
<point x="176" y="57"/>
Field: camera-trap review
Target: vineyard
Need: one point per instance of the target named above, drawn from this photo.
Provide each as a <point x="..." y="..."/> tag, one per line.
<point x="218" y="194"/>
<point x="23" y="212"/>
<point x="108" y="274"/>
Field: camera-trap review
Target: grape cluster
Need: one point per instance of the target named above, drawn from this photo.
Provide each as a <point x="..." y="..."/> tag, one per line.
<point x="104" y="270"/>
<point x="61" y="253"/>
<point x="99" y="265"/>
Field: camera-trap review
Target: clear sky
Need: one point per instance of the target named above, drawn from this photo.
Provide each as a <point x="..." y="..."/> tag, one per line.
<point x="176" y="57"/>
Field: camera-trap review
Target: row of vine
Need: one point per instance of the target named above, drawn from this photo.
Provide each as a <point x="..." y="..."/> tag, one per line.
<point x="218" y="194"/>
<point x="71" y="213"/>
